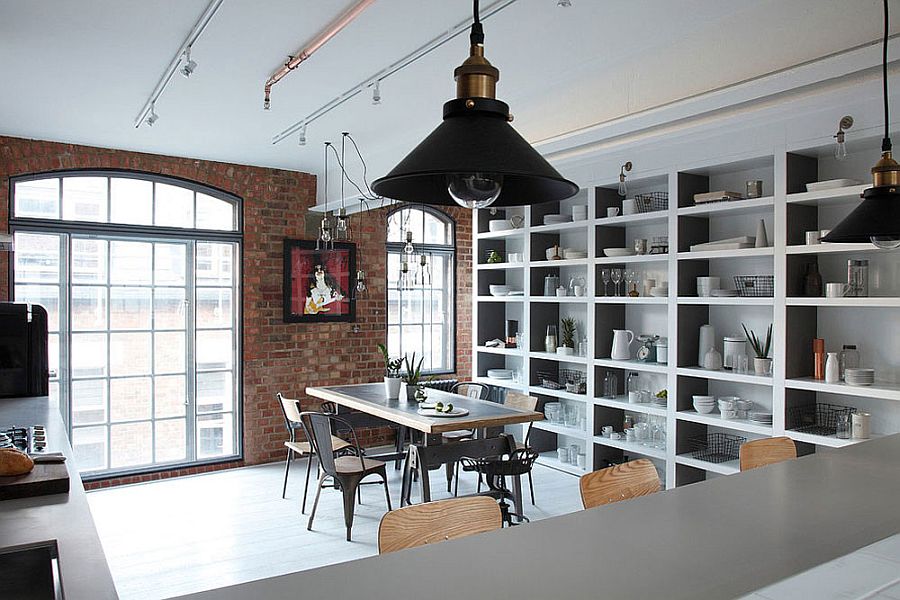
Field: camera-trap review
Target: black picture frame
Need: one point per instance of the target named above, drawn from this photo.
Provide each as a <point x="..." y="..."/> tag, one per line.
<point x="312" y="278"/>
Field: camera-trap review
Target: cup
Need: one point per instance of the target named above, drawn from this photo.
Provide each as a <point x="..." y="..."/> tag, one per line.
<point x="634" y="397"/>
<point x="640" y="246"/>
<point x="560" y="292"/>
<point x="579" y="212"/>
<point x="630" y="435"/>
<point x="649" y="284"/>
<point x="628" y="206"/>
<point x="562" y="454"/>
<point x="705" y="285"/>
<point x="606" y="431"/>
<point x="813" y="237"/>
<point x="581" y="460"/>
<point x="579" y="290"/>
<point x="836" y="289"/>
<point x="860" y="425"/>
<point x="612" y="211"/>
<point x="574" y="451"/>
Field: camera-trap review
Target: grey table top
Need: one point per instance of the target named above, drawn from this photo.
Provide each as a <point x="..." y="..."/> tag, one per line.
<point x="719" y="539"/>
<point x="371" y="398"/>
<point x="63" y="517"/>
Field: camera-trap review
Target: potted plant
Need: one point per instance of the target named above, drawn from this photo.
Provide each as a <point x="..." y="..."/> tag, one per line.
<point x="413" y="375"/>
<point x="391" y="373"/>
<point x="568" y="337"/>
<point x="762" y="364"/>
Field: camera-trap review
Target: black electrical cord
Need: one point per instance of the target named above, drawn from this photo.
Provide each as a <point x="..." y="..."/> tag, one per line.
<point x="477" y="35"/>
<point x="886" y="142"/>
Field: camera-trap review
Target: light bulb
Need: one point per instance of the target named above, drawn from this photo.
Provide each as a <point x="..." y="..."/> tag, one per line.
<point x="409" y="249"/>
<point x="840" y="147"/>
<point x="886" y="242"/>
<point x="623" y="189"/>
<point x="474" y="190"/>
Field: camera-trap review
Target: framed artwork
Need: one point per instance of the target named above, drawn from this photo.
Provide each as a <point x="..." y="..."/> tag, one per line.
<point x="319" y="284"/>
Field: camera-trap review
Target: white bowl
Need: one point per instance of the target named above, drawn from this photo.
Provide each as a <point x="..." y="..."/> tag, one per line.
<point x="499" y="225"/>
<point x="551" y="252"/>
<point x="498" y="290"/>
<point x="500" y="373"/>
<point x="572" y="253"/>
<point x="704" y="409"/>
<point x="618" y="251"/>
<point x="659" y="292"/>
<point x="728" y="414"/>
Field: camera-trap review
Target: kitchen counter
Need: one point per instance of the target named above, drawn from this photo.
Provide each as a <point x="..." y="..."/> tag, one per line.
<point x="63" y="517"/>
<point x="723" y="538"/>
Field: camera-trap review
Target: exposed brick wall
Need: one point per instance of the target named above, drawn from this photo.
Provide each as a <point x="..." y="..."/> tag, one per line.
<point x="278" y="356"/>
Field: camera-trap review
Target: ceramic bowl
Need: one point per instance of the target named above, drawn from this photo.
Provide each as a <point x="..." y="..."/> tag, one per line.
<point x="704" y="409"/>
<point x="618" y="251"/>
<point x="728" y="414"/>
<point x="498" y="290"/>
<point x="499" y="225"/>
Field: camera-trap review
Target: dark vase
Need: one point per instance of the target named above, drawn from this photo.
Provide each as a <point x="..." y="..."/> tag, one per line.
<point x="812" y="281"/>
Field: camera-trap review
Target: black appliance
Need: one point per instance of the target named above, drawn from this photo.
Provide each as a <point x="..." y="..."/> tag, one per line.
<point x="24" y="368"/>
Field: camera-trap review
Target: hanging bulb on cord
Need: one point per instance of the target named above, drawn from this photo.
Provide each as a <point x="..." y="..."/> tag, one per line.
<point x="409" y="249"/>
<point x="886" y="242"/>
<point x="474" y="190"/>
<point x="623" y="188"/>
<point x="840" y="147"/>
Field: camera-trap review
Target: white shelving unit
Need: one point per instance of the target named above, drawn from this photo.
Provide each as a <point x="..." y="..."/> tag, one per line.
<point x="787" y="211"/>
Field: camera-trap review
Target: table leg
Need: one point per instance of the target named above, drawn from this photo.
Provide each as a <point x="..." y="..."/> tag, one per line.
<point x="517" y="490"/>
<point x="406" y="485"/>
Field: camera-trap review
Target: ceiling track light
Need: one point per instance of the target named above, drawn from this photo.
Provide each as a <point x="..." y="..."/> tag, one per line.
<point x="376" y="93"/>
<point x="564" y="3"/>
<point x="877" y="218"/>
<point x="497" y="167"/>
<point x="189" y="65"/>
<point x="302" y="138"/>
<point x="152" y="117"/>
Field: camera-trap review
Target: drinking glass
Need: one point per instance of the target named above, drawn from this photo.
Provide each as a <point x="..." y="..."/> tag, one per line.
<point x="605" y="276"/>
<point x="616" y="277"/>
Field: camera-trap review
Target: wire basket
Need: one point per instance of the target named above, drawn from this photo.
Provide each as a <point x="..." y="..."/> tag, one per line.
<point x="548" y="380"/>
<point x="816" y="419"/>
<point x="716" y="447"/>
<point x="575" y="381"/>
<point x="651" y="202"/>
<point x="755" y="286"/>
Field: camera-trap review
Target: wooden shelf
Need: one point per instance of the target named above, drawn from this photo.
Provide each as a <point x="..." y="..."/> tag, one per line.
<point x="851" y="302"/>
<point x="561" y="429"/>
<point x="571" y="225"/>
<point x="630" y="300"/>
<point x="716" y="420"/>
<point x="563" y="262"/>
<point x="881" y="389"/>
<point x="503" y="351"/>
<point x="634" y="258"/>
<point x="832" y="249"/>
<point x="725" y="376"/>
<point x="659" y="216"/>
<point x="730" y="207"/>
<point x="739" y="253"/>
<point x="562" y="394"/>
<point x="631" y="365"/>
<point x="726" y="468"/>
<point x="498" y="235"/>
<point x="549" y="459"/>
<point x="823" y="440"/>
<point x="737" y="300"/>
<point x="832" y="196"/>
<point x="571" y="358"/>
<point x="622" y="402"/>
<point x="500" y="266"/>
<point x="633" y="447"/>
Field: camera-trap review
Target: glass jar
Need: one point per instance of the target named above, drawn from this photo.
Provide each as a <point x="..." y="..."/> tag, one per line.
<point x="858" y="278"/>
<point x="849" y="358"/>
<point x="843" y="426"/>
<point x="550" y="339"/>
<point x="610" y="385"/>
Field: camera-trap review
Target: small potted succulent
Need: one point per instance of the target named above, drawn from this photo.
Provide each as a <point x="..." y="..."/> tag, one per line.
<point x="413" y="376"/>
<point x="762" y="364"/>
<point x="567" y="348"/>
<point x="392" y="379"/>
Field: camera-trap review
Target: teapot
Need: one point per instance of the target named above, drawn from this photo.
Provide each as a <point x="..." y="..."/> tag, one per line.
<point x="621" y="343"/>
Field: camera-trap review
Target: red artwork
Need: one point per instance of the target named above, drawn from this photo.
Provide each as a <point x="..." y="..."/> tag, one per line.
<point x="319" y="284"/>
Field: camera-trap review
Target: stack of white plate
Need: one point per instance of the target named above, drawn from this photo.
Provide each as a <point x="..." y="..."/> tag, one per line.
<point x="717" y="293"/>
<point x="859" y="377"/>
<point x="570" y="253"/>
<point x="659" y="292"/>
<point x="704" y="404"/>
<point x="657" y="401"/>
<point x="500" y="373"/>
<point x="516" y="293"/>
<point x="763" y="418"/>
<point x="557" y="219"/>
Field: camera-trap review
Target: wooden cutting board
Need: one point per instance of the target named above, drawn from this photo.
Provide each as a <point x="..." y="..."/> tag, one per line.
<point x="44" y="479"/>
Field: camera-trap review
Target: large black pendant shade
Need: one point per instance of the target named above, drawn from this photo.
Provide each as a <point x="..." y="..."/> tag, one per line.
<point x="878" y="216"/>
<point x="475" y="137"/>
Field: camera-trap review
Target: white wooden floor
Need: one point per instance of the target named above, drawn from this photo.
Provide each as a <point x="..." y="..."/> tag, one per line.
<point x="173" y="537"/>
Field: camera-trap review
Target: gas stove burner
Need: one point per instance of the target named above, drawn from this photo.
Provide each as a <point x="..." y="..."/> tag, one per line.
<point x="31" y="440"/>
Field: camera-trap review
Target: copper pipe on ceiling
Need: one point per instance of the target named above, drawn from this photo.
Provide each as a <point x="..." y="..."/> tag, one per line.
<point x="317" y="42"/>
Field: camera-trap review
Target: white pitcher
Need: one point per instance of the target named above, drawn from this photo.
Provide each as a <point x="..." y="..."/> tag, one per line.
<point x="622" y="339"/>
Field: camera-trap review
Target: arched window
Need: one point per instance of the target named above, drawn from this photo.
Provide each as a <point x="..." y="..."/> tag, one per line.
<point x="140" y="276"/>
<point x="421" y="295"/>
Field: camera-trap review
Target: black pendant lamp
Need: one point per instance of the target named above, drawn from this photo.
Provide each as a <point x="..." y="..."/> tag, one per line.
<point x="475" y="158"/>
<point x="877" y="218"/>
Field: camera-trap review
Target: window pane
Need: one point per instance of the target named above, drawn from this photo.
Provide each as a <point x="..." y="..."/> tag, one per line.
<point x="215" y="435"/>
<point x="129" y="354"/>
<point x="38" y="199"/>
<point x="213" y="213"/>
<point x="214" y="307"/>
<point x="168" y="308"/>
<point x="131" y="262"/>
<point x="174" y="206"/>
<point x="89" y="355"/>
<point x="89" y="402"/>
<point x="171" y="443"/>
<point x="89" y="444"/>
<point x="169" y="396"/>
<point x="411" y="340"/>
<point x="88" y="260"/>
<point x="88" y="308"/>
<point x="45" y="295"/>
<point x="214" y="350"/>
<point x="37" y="258"/>
<point x="129" y="399"/>
<point x="85" y="199"/>
<point x="436" y="231"/>
<point x="129" y="308"/>
<point x="132" y="201"/>
<point x="169" y="264"/>
<point x="214" y="392"/>
<point x="53" y="355"/>
<point x="168" y="354"/>
<point x="215" y="264"/>
<point x="131" y="444"/>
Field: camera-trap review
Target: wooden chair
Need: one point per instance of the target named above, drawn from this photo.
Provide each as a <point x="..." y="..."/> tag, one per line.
<point x="420" y="524"/>
<point x="619" y="482"/>
<point x="768" y="451"/>
<point x="526" y="403"/>
<point x="346" y="471"/>
<point x="290" y="408"/>
<point x="472" y="390"/>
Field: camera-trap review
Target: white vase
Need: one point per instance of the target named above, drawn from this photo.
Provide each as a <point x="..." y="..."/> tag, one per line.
<point x="762" y="240"/>
<point x="832" y="368"/>
<point x="762" y="366"/>
<point x="392" y="387"/>
<point x="713" y="360"/>
<point x="565" y="350"/>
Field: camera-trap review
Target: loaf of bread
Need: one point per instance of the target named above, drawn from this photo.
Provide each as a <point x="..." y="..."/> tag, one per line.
<point x="13" y="462"/>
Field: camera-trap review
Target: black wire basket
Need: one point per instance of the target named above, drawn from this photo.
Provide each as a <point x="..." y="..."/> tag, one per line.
<point x="816" y="419"/>
<point x="573" y="380"/>
<point x="548" y="380"/>
<point x="651" y="202"/>
<point x="755" y="286"/>
<point x="716" y="447"/>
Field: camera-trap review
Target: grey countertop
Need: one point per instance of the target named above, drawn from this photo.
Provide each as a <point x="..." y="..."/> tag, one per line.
<point x="63" y="517"/>
<point x="719" y="539"/>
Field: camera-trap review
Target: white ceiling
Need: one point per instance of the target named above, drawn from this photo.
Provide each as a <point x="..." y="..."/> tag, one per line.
<point x="81" y="71"/>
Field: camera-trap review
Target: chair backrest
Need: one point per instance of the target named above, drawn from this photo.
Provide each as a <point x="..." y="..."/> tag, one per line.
<point x="619" y="482"/>
<point x="291" y="410"/>
<point x="318" y="427"/>
<point x="420" y="524"/>
<point x="767" y="451"/>
<point x="476" y="391"/>
<point x="520" y="401"/>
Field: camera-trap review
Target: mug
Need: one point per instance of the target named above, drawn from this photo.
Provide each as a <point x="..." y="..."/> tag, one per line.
<point x="579" y="290"/>
<point x="836" y="289"/>
<point x="606" y="430"/>
<point x="634" y="397"/>
<point x="612" y="211"/>
<point x="579" y="212"/>
<point x="813" y="237"/>
<point x="628" y="206"/>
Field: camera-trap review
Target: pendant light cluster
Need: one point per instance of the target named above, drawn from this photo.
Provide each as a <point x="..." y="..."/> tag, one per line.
<point x="877" y="218"/>
<point x="409" y="279"/>
<point x="475" y="158"/>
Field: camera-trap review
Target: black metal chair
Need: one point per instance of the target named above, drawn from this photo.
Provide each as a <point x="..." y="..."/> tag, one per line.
<point x="495" y="470"/>
<point x="470" y="389"/>
<point x="346" y="471"/>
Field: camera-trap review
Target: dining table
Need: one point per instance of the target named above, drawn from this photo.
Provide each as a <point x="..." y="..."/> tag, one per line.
<point x="372" y="399"/>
